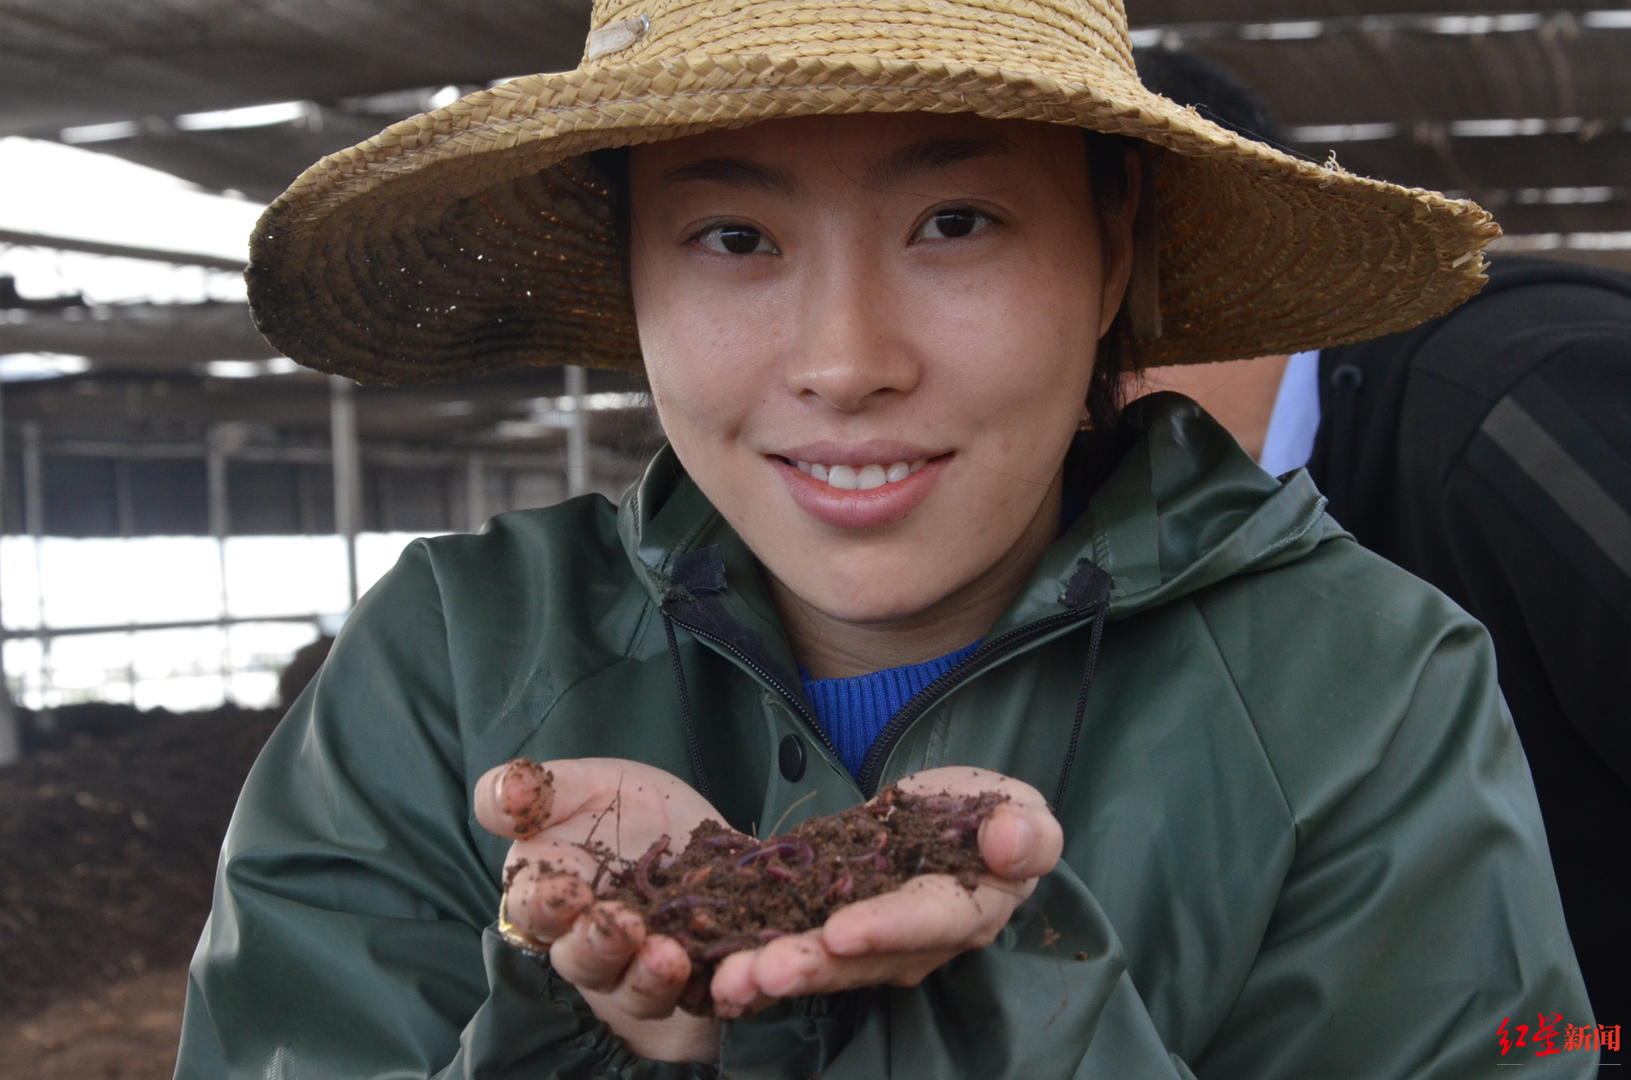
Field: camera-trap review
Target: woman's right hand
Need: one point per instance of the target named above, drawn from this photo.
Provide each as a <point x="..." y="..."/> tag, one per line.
<point x="631" y="979"/>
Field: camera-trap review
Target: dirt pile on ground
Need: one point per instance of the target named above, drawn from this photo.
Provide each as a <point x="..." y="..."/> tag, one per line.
<point x="125" y="1030"/>
<point x="109" y="842"/>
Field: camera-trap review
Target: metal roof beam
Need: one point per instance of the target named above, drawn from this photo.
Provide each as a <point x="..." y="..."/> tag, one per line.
<point x="123" y="251"/>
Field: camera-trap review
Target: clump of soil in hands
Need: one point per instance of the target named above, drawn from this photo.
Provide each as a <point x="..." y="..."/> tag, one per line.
<point x="726" y="891"/>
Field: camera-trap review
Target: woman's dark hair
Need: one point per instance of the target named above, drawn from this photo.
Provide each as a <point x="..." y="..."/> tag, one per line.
<point x="1107" y="157"/>
<point x="1107" y="169"/>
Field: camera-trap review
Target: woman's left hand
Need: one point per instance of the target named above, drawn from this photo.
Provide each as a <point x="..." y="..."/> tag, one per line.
<point x="898" y="938"/>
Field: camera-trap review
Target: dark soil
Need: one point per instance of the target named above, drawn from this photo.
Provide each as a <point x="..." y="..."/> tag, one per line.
<point x="726" y="892"/>
<point x="108" y="839"/>
<point x="124" y="1030"/>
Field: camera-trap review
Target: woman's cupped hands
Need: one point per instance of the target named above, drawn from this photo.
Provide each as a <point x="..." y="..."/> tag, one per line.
<point x="633" y="979"/>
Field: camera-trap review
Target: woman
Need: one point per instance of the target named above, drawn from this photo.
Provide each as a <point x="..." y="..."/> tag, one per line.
<point x="1268" y="817"/>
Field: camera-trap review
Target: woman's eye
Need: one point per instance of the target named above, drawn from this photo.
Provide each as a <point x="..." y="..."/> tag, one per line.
<point x="736" y="240"/>
<point x="953" y="222"/>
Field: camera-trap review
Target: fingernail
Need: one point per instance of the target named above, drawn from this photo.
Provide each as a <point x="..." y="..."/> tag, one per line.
<point x="499" y="777"/>
<point x="527" y="810"/>
<point x="1024" y="839"/>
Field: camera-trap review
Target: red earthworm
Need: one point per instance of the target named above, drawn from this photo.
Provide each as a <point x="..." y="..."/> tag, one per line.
<point x="722" y="840"/>
<point x="874" y="855"/>
<point x="724" y="947"/>
<point x="643" y="868"/>
<point x="675" y="902"/>
<point x="785" y="846"/>
<point x="748" y="856"/>
<point x="842" y="889"/>
<point x="796" y="851"/>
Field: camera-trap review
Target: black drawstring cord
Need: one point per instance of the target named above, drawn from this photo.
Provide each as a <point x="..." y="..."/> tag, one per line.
<point x="692" y="744"/>
<point x="1089" y="587"/>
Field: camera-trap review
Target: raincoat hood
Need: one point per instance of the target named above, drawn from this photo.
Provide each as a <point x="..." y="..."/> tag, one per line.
<point x="1183" y="508"/>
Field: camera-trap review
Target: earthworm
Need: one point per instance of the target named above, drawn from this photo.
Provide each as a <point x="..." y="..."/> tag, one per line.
<point x="875" y="854"/>
<point x="646" y="863"/>
<point x="796" y="851"/>
<point x="721" y="840"/>
<point x="786" y="846"/>
<point x="751" y="855"/>
<point x="724" y="947"/>
<point x="841" y="889"/>
<point x="676" y="902"/>
<point x="877" y="860"/>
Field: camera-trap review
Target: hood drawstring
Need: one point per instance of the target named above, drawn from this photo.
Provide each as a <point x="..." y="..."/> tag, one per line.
<point x="1088" y="587"/>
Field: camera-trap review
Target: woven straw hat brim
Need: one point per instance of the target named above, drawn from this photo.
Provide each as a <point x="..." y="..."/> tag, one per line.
<point x="474" y="237"/>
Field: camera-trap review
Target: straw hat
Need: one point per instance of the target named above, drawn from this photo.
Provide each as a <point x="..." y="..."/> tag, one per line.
<point x="473" y="237"/>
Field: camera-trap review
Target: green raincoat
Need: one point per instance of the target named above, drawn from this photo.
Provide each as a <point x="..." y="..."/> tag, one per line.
<point x="1301" y="839"/>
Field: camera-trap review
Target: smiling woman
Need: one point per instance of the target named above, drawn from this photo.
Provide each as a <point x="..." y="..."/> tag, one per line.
<point x="1254" y="792"/>
<point x="845" y="297"/>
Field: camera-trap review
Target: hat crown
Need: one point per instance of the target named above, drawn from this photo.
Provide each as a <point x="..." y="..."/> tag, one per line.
<point x="483" y="233"/>
<point x="1045" y="36"/>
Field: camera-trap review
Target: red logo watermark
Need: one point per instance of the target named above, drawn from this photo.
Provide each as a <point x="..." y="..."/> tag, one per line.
<point x="1544" y="1035"/>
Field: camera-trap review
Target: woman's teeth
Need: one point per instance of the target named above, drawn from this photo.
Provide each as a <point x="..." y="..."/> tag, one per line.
<point x="867" y="477"/>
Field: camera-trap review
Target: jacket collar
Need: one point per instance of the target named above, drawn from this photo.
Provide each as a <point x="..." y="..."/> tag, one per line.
<point x="1182" y="508"/>
<point x="1186" y="507"/>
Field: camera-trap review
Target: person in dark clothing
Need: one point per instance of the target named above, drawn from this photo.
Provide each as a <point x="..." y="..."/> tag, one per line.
<point x="1489" y="452"/>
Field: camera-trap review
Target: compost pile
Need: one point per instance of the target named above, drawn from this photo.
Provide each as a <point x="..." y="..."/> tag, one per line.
<point x="725" y="891"/>
<point x="109" y="833"/>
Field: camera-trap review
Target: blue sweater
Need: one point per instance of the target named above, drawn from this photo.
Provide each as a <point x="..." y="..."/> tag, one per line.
<point x="853" y="711"/>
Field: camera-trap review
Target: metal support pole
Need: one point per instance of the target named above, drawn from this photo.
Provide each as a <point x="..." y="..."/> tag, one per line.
<point x="577" y="432"/>
<point x="11" y="732"/>
<point x="124" y="510"/>
<point x="34" y="525"/>
<point x="215" y="499"/>
<point x="305" y="502"/>
<point x="475" y="492"/>
<point x="347" y="474"/>
<point x="124" y="503"/>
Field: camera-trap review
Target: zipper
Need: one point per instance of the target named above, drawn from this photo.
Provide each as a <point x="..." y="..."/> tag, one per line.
<point x="992" y="650"/>
<point x="769" y="678"/>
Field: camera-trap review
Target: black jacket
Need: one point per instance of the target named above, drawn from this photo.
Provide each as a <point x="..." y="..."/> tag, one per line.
<point x="1489" y="452"/>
